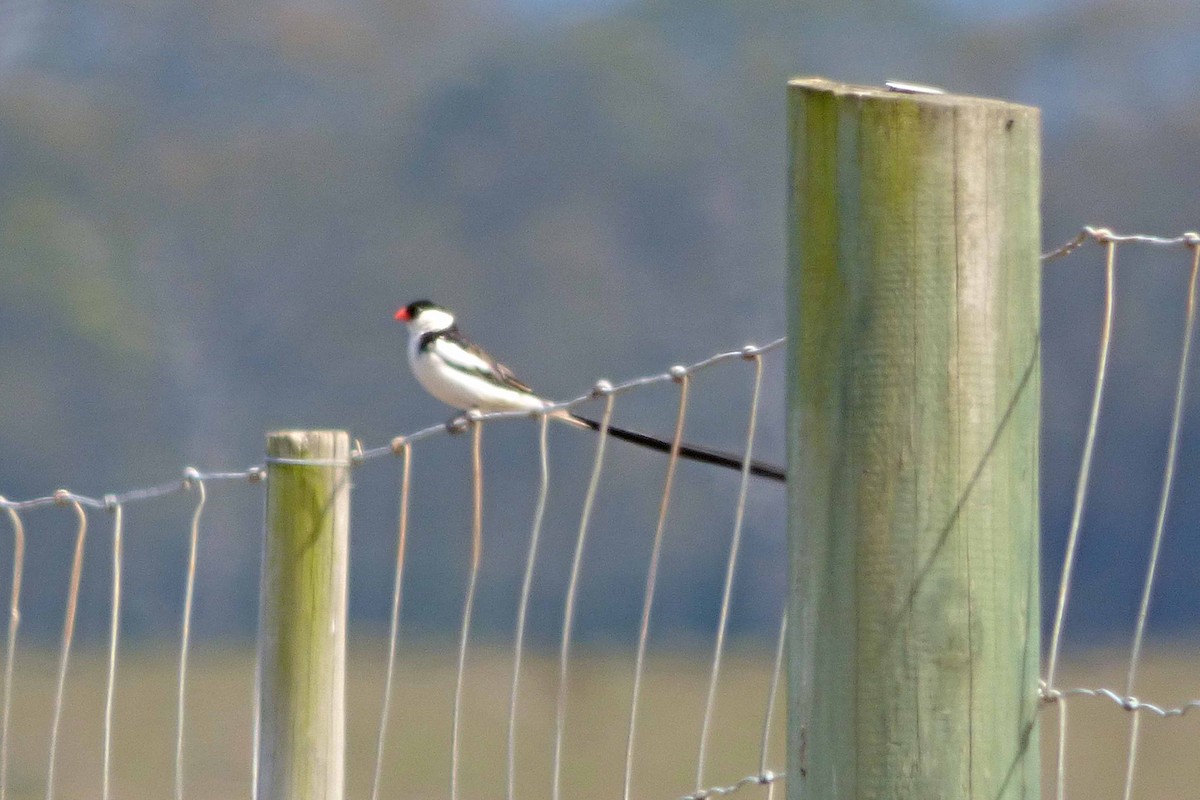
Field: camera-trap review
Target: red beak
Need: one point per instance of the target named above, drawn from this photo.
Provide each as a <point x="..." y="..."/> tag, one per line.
<point x="402" y="315"/>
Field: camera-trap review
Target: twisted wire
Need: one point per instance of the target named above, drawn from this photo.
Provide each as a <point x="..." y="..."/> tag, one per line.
<point x="765" y="778"/>
<point x="1125" y="702"/>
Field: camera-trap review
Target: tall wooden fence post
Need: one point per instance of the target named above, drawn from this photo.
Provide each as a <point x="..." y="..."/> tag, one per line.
<point x="914" y="384"/>
<point x="302" y="618"/>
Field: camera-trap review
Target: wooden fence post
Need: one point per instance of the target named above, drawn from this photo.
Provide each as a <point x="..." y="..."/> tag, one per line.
<point x="914" y="384"/>
<point x="302" y="618"/>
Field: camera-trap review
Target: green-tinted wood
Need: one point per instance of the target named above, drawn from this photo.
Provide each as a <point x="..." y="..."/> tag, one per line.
<point x="302" y="618"/>
<point x="914" y="384"/>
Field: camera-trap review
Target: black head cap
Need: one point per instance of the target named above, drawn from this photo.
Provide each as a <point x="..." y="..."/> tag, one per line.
<point x="414" y="308"/>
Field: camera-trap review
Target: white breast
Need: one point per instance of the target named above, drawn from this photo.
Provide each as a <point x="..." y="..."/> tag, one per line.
<point x="463" y="390"/>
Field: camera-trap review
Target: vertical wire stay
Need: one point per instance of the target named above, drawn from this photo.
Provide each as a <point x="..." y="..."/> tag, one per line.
<point x="1161" y="519"/>
<point x="1060" y="771"/>
<point x="68" y="634"/>
<point x="772" y="694"/>
<point x="14" y="622"/>
<point x="394" y="628"/>
<point x="539" y="515"/>
<point x="192" y="479"/>
<point x="651" y="579"/>
<point x="1085" y="464"/>
<point x="730" y="569"/>
<point x="564" y="656"/>
<point x="469" y="602"/>
<point x="256" y="690"/>
<point x="114" y="628"/>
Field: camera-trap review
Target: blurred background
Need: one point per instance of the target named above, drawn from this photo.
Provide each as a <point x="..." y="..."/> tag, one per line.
<point x="210" y="211"/>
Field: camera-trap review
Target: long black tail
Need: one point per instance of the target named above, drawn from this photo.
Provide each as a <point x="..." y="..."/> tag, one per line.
<point x="692" y="452"/>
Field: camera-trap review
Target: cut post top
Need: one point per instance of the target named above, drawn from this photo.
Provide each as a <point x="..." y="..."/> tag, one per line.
<point x="306" y="443"/>
<point x="840" y="89"/>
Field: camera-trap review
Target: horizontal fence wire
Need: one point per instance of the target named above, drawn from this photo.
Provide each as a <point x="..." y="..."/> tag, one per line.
<point x="765" y="778"/>
<point x="1125" y="702"/>
<point x="258" y="473"/>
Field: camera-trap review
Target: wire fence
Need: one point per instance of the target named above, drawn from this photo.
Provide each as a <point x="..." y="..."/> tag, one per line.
<point x="195" y="481"/>
<point x="761" y="773"/>
<point x="1126" y="698"/>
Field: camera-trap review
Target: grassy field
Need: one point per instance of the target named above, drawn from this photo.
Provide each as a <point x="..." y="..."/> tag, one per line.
<point x="218" y="736"/>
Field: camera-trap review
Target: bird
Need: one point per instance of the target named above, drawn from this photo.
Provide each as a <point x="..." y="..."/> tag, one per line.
<point x="463" y="375"/>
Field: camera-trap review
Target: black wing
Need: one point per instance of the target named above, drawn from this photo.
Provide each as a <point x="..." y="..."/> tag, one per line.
<point x="469" y="357"/>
